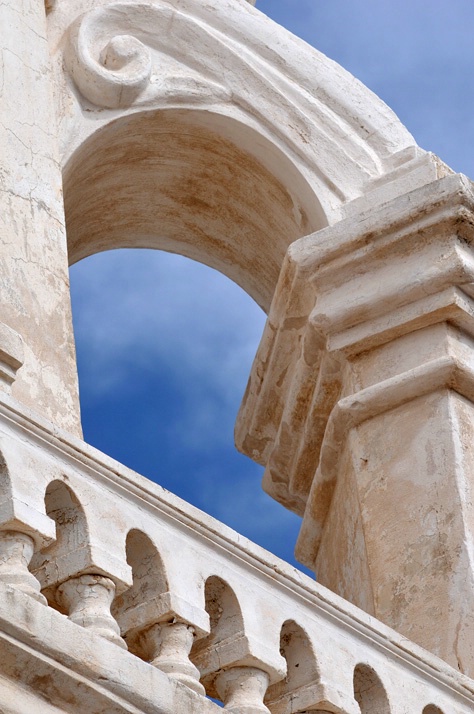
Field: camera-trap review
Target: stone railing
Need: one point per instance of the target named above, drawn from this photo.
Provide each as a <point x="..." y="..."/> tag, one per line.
<point x="116" y="592"/>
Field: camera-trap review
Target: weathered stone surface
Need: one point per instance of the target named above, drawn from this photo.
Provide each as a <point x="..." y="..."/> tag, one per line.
<point x="162" y="149"/>
<point x="267" y="622"/>
<point x="202" y="128"/>
<point x="12" y="354"/>
<point x="34" y="285"/>
<point x="372" y="440"/>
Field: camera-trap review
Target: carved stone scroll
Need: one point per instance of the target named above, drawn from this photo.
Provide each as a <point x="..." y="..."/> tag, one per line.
<point x="113" y="68"/>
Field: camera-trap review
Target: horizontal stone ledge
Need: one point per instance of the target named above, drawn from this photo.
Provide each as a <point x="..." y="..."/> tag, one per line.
<point x="163" y="608"/>
<point x="448" y="202"/>
<point x="451" y="305"/>
<point x="65" y="664"/>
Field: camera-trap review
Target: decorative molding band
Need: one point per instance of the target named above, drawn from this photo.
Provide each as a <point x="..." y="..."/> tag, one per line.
<point x="451" y="305"/>
<point x="445" y="203"/>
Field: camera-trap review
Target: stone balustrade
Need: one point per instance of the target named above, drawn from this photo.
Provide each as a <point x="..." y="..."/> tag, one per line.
<point x="149" y="605"/>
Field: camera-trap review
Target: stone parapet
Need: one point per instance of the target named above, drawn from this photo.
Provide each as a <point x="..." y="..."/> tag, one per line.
<point x="166" y="605"/>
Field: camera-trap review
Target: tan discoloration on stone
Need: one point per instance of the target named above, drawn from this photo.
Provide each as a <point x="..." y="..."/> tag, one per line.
<point x="161" y="180"/>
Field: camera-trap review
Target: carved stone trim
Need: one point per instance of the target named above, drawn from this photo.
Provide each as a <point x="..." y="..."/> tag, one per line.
<point x="311" y="309"/>
<point x="114" y="69"/>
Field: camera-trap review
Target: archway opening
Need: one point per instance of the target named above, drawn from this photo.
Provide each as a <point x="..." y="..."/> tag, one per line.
<point x="302" y="671"/>
<point x="369" y="691"/>
<point x="164" y="349"/>
<point x="212" y="189"/>
<point x="194" y="183"/>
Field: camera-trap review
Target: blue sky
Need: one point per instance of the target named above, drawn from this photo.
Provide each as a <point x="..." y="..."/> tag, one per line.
<point x="165" y="345"/>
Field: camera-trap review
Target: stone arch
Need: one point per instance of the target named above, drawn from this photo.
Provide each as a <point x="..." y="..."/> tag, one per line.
<point x="188" y="181"/>
<point x="72" y="536"/>
<point x="239" y="62"/>
<point x="148" y="570"/>
<point x="229" y="149"/>
<point x="432" y="709"/>
<point x="227" y="630"/>
<point x="64" y="507"/>
<point x="150" y="582"/>
<point x="302" y="666"/>
<point x="116" y="60"/>
<point x="224" y="610"/>
<point x="369" y="691"/>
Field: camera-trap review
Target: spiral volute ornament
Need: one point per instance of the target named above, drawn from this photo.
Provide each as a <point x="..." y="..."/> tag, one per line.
<point x="109" y="68"/>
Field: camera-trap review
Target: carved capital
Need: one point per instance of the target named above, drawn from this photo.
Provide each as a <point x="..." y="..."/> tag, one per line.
<point x="346" y="290"/>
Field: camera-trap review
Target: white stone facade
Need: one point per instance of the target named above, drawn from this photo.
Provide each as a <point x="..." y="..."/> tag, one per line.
<point x="204" y="129"/>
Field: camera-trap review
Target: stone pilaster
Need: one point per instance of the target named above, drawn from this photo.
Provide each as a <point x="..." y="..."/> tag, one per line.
<point x="34" y="290"/>
<point x="371" y="434"/>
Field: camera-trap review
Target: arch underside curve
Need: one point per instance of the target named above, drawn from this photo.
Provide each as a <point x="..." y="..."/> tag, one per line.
<point x="213" y="110"/>
<point x="173" y="180"/>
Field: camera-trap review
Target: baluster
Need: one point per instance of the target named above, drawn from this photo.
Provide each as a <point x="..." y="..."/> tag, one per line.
<point x="169" y="645"/>
<point x="87" y="600"/>
<point x="16" y="551"/>
<point x="242" y="690"/>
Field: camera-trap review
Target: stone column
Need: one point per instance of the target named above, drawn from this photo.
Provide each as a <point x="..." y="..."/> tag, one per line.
<point x="34" y="285"/>
<point x="373" y="429"/>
